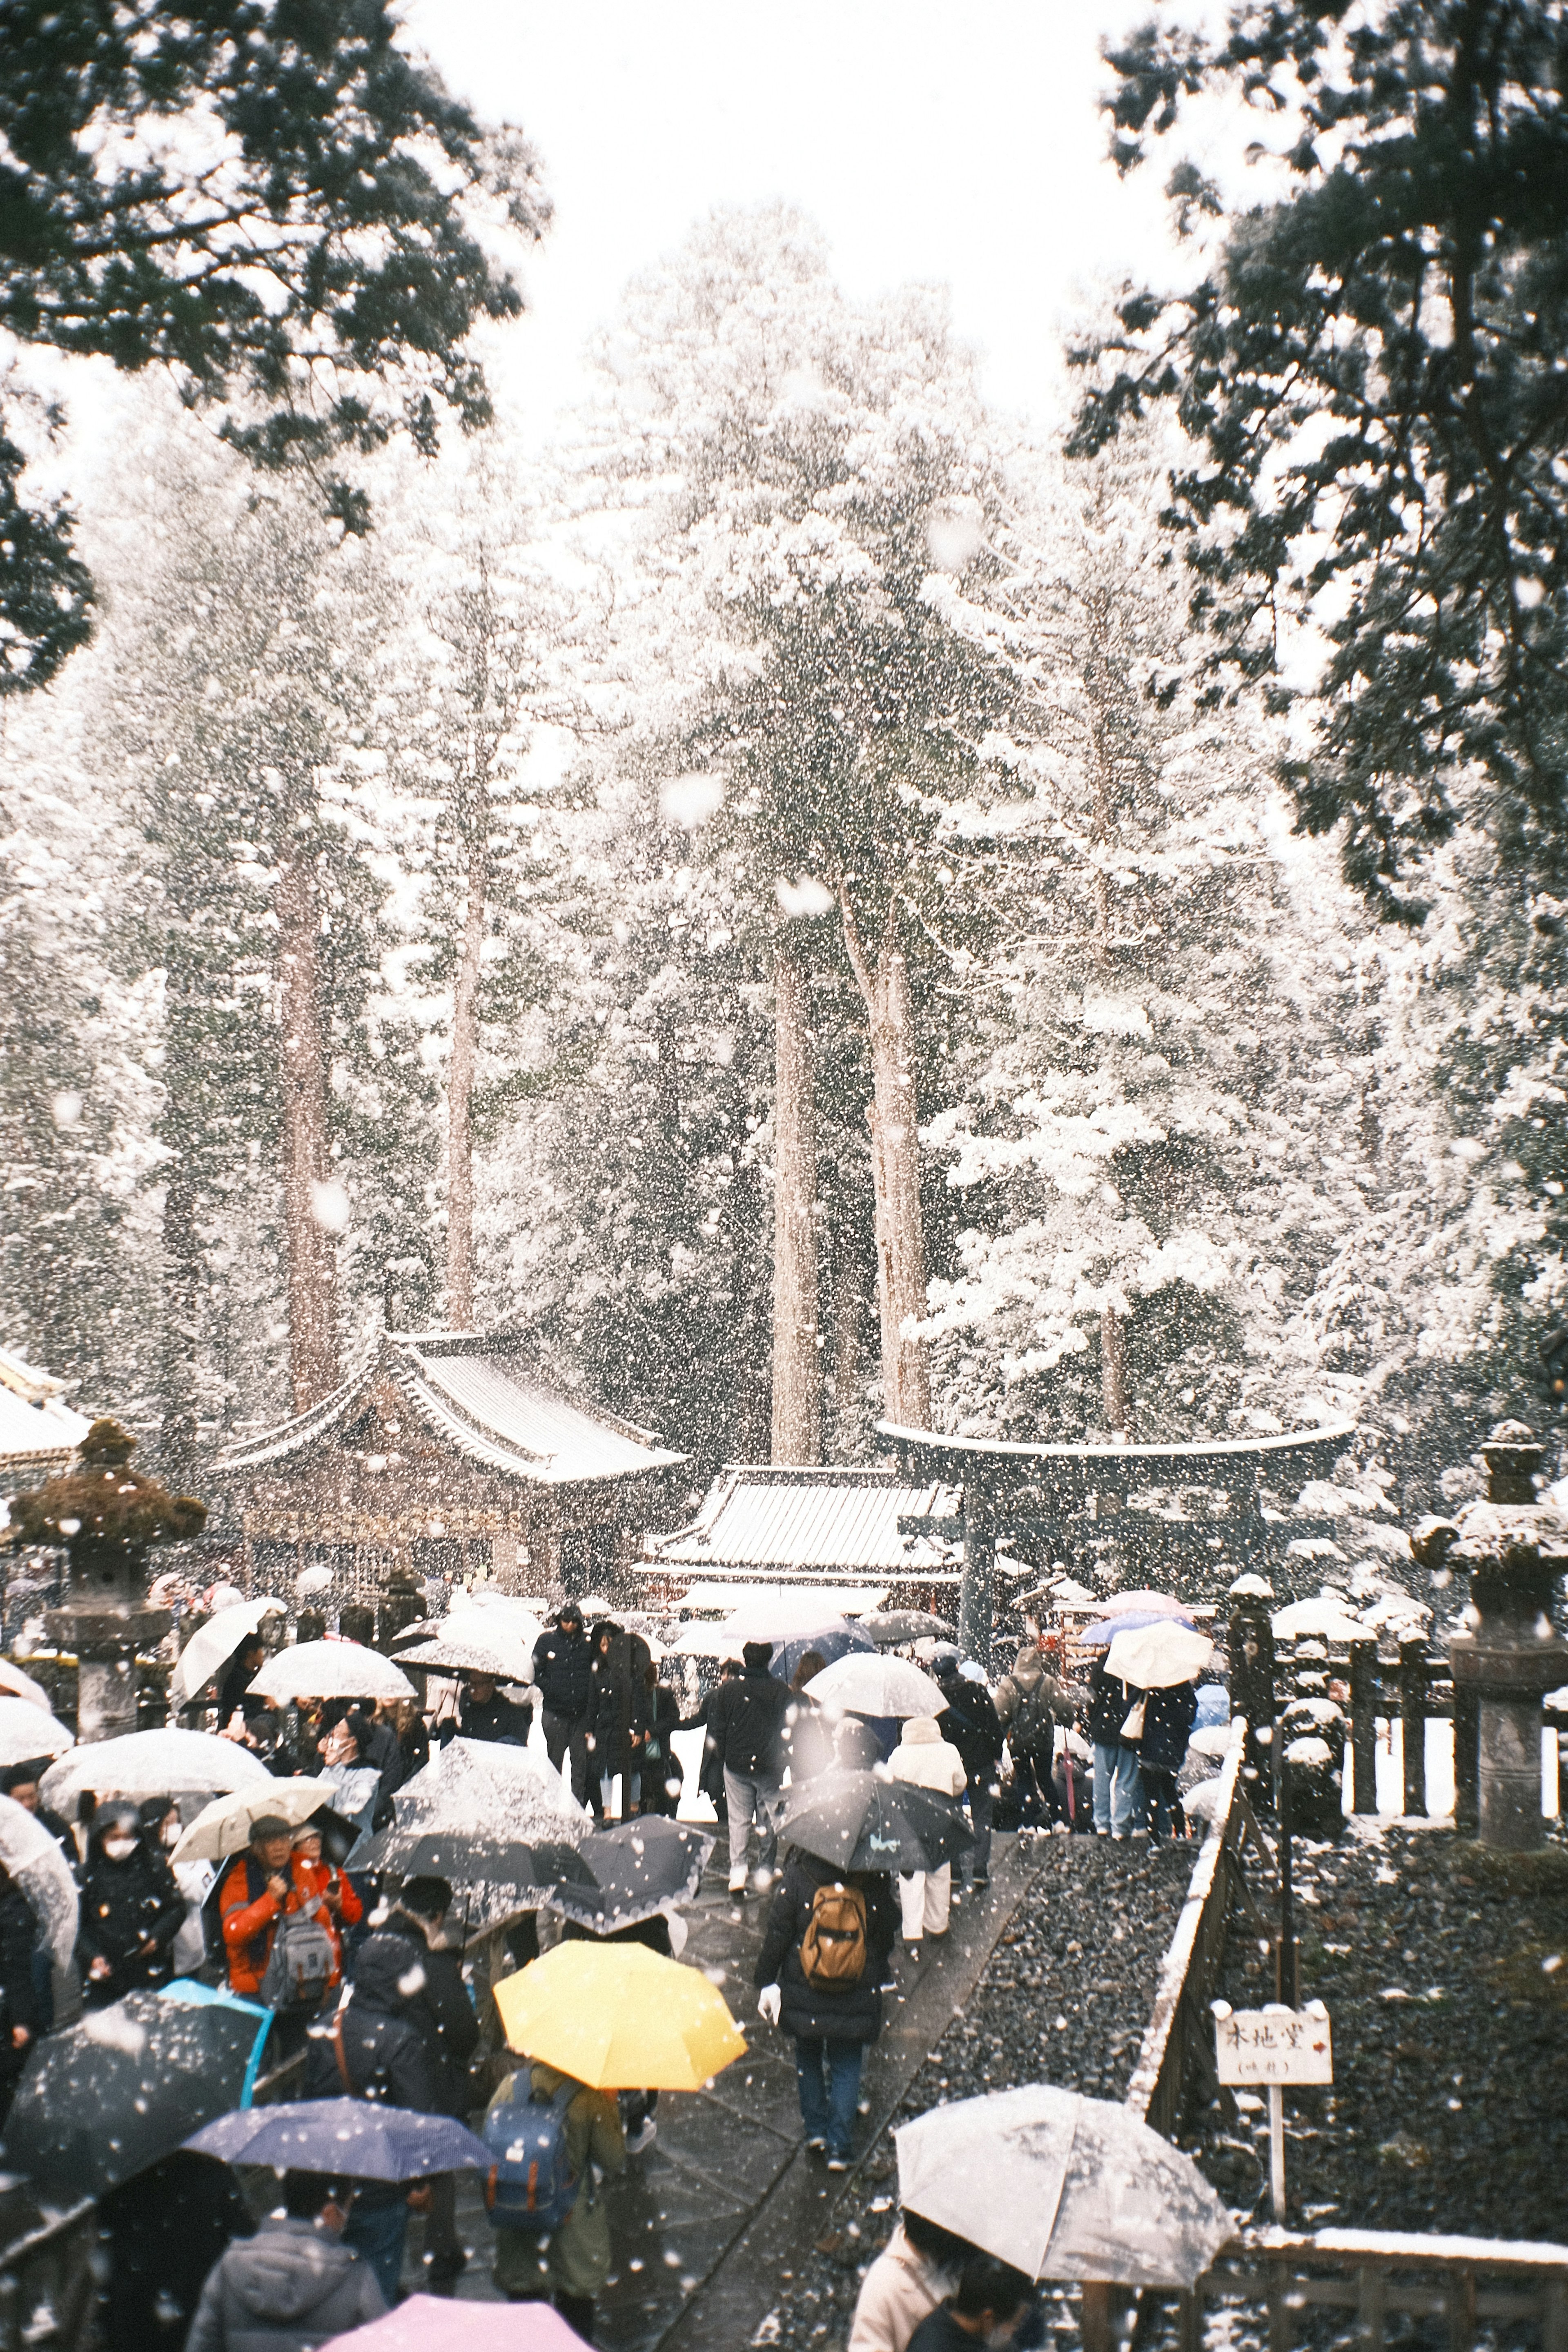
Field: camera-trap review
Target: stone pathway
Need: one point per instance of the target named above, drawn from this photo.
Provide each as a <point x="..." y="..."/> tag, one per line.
<point x="726" y="2202"/>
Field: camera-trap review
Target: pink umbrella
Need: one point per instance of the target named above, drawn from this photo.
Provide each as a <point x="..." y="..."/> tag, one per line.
<point x="428" y="2323"/>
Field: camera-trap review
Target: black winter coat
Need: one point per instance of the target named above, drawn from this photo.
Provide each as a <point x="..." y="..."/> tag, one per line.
<point x="617" y="1713"/>
<point x="18" y="2006"/>
<point x="491" y="1719"/>
<point x="826" y="2012"/>
<point x="747" y="1724"/>
<point x="1168" y="1720"/>
<point x="563" y="1667"/>
<point x="1108" y="1704"/>
<point x="441" y="2012"/>
<point x="972" y="1725"/>
<point x="385" y="2055"/>
<point x="123" y="1905"/>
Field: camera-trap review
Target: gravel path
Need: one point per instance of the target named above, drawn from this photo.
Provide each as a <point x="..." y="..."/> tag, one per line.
<point x="1064" y="1998"/>
<point x="1445" y="1971"/>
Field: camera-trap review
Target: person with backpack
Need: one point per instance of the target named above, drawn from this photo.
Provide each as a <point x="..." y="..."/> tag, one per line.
<point x="131" y="1909"/>
<point x="329" y="1892"/>
<point x="549" y="2137"/>
<point x="746" y="1727"/>
<point x="926" y="1761"/>
<point x="281" y="1948"/>
<point x="443" y="2016"/>
<point x="826" y="1949"/>
<point x="1030" y="1703"/>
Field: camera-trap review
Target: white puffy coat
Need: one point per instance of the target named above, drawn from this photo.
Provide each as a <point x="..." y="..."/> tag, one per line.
<point x="923" y="1756"/>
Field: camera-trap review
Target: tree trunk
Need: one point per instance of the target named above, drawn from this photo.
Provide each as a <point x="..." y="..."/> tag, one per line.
<point x="182" y="1320"/>
<point x="1112" y="1370"/>
<point x="460" y="1101"/>
<point x="797" y="1358"/>
<point x="849" y="1321"/>
<point x="312" y="1252"/>
<point x="895" y="1175"/>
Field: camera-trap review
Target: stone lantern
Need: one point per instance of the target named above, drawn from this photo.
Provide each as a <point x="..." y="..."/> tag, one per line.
<point x="107" y="1516"/>
<point x="1510" y="1656"/>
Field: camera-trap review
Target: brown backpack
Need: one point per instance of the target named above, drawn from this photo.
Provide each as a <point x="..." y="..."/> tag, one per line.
<point x="833" y="1948"/>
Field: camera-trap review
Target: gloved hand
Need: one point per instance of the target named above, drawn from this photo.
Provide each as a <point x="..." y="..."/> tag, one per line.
<point x="770" y="2000"/>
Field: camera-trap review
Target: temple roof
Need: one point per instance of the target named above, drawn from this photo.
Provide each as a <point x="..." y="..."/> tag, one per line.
<point x="479" y="1395"/>
<point x="37" y="1430"/>
<point x="787" y="1521"/>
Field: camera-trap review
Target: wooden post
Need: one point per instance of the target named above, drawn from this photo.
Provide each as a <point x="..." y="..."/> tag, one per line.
<point x="1554" y="2313"/>
<point x="1370" y="2286"/>
<point x="974" y="1607"/>
<point x="1363" y="1725"/>
<point x="1278" y="2307"/>
<point x="1095" y="2316"/>
<point x="1413" y="1716"/>
<point x="1461" y="2302"/>
<point x="1466" y="1761"/>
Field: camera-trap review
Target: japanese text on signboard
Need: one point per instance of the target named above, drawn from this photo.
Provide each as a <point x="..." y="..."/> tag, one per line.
<point x="1255" y="2045"/>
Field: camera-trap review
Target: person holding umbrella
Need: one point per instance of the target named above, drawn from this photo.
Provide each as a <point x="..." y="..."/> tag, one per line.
<point x="329" y="1891"/>
<point x="295" y="2283"/>
<point x="20" y="1782"/>
<point x="746" y="1727"/>
<point x="1117" y="1793"/>
<point x="562" y="1666"/>
<point x="571" y="2265"/>
<point x="926" y="1761"/>
<point x="255" y="1893"/>
<point x="443" y="2016"/>
<point x="21" y="2016"/>
<point x="826" y="1949"/>
<point x="990" y="2300"/>
<point x="132" y="1910"/>
<point x="975" y="1730"/>
<point x="1169" y="1716"/>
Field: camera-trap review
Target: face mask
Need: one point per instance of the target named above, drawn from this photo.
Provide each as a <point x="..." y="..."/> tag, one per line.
<point x="172" y="1834"/>
<point x="117" y="1848"/>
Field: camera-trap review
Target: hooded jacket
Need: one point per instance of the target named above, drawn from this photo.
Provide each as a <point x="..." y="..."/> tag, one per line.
<point x="286" y="2290"/>
<point x="1031" y="1702"/>
<point x="826" y="2012"/>
<point x="384" y="2055"/>
<point x="441" y="2012"/>
<point x="927" y="1760"/>
<point x="746" y="1723"/>
<point x="125" y="1904"/>
<point x="974" y="1726"/>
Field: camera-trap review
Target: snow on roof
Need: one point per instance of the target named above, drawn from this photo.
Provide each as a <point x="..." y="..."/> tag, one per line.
<point x="36" y="1429"/>
<point x="481" y="1397"/>
<point x="826" y="1600"/>
<point x="790" y="1520"/>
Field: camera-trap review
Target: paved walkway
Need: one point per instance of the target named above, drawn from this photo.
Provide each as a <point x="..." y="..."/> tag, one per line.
<point x="706" y="2221"/>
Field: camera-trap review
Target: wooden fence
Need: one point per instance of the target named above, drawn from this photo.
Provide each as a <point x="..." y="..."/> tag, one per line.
<point x="48" y="2285"/>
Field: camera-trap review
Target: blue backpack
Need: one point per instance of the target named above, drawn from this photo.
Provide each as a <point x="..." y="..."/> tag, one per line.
<point x="531" y="2185"/>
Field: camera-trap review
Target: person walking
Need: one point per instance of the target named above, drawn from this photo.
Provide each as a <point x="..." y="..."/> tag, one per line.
<point x="926" y="1761"/>
<point x="330" y="1893"/>
<point x="746" y="1728"/>
<point x="662" y="1772"/>
<point x="917" y="2269"/>
<point x="983" y="2310"/>
<point x="256" y="1891"/>
<point x="241" y="1714"/>
<point x="563" y="1669"/>
<point x="443" y="2016"/>
<point x="617" y="1719"/>
<point x="975" y="1730"/>
<point x="710" y="1774"/>
<point x="1036" y="1702"/>
<point x="571" y="2266"/>
<point x="1162" y="1744"/>
<point x="21" y="2013"/>
<point x="295" y="2283"/>
<point x="130" y="1910"/>
<point x="1117" y="1795"/>
<point x="826" y="1949"/>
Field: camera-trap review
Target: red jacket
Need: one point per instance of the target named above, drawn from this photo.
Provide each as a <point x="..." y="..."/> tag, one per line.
<point x="248" y="1926"/>
<point x="314" y="1880"/>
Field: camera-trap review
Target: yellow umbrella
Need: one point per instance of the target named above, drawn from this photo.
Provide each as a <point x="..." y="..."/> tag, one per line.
<point x="619" y="2018"/>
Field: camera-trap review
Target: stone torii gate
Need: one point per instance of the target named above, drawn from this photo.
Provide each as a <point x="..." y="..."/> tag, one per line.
<point x="997" y="1473"/>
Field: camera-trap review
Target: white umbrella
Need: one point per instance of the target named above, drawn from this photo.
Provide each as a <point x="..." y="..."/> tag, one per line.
<point x="489" y="1790"/>
<point x="471" y="1648"/>
<point x="1328" y="1618"/>
<point x="869" y="1682"/>
<point x="1063" y="2188"/>
<point x="17" y="1685"/>
<point x="330" y="1670"/>
<point x="212" y="1645"/>
<point x="153" y="1764"/>
<point x="38" y="1868"/>
<point x="1155" y="1656"/>
<point x="25" y="1733"/>
<point x="223" y="1827"/>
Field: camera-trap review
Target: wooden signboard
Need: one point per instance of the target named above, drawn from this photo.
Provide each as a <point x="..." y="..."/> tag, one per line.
<point x="1259" y="2047"/>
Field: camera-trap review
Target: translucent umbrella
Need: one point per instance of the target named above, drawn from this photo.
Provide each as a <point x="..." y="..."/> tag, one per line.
<point x="1156" y="1604"/>
<point x="890" y="1627"/>
<point x="619" y="2018"/>
<point x="154" y="1764"/>
<point x="471" y="1647"/>
<point x="223" y="1827"/>
<point x="868" y="1683"/>
<point x="1155" y="1656"/>
<point x="330" y="1670"/>
<point x="212" y="1645"/>
<point x="1063" y="2188"/>
<point x="25" y="1732"/>
<point x="39" y="1869"/>
<point x="17" y="1685"/>
<point x="490" y="1789"/>
<point x="1103" y="1632"/>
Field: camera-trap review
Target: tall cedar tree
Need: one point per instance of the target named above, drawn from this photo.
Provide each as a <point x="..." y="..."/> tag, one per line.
<point x="271" y="199"/>
<point x="1406" y="302"/>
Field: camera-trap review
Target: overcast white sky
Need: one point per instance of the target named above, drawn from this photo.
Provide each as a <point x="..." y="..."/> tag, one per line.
<point x="955" y="143"/>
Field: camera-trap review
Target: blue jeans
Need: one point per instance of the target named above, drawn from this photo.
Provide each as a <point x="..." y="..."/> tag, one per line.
<point x="376" y="2233"/>
<point x="1116" y="1790"/>
<point x="828" y="2110"/>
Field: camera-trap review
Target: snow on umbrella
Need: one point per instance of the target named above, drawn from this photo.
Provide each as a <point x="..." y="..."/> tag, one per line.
<point x="495" y="1878"/>
<point x="25" y="1732"/>
<point x="426" y="2322"/>
<point x="619" y="2018"/>
<point x="212" y="1645"/>
<point x="1155" y="1656"/>
<point x="1153" y="1604"/>
<point x="859" y="1822"/>
<point x="864" y="1683"/>
<point x="1100" y="1635"/>
<point x="1063" y="2188"/>
<point x="41" y="1870"/>
<point x="356" y="2139"/>
<point x="832" y="1640"/>
<point x="634" y="1870"/>
<point x="489" y="1788"/>
<point x="16" y="1685"/>
<point x="329" y="1670"/>
<point x="154" y="1764"/>
<point x="223" y="1827"/>
<point x="472" y="1648"/>
<point x="104" y="2099"/>
<point x="890" y="1627"/>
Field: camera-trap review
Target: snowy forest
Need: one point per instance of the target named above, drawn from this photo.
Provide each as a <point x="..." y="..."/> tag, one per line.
<point x="787" y="899"/>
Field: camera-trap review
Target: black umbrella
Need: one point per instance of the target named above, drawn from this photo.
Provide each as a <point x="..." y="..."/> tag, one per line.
<point x="493" y="1878"/>
<point x="636" y="1869"/>
<point x="891" y="1628"/>
<point x="857" y="1821"/>
<point x="104" y="2099"/>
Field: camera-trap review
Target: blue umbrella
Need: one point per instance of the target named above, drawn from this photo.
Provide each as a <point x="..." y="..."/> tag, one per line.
<point x="833" y="1639"/>
<point x="1100" y="1637"/>
<point x="359" y="2139"/>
